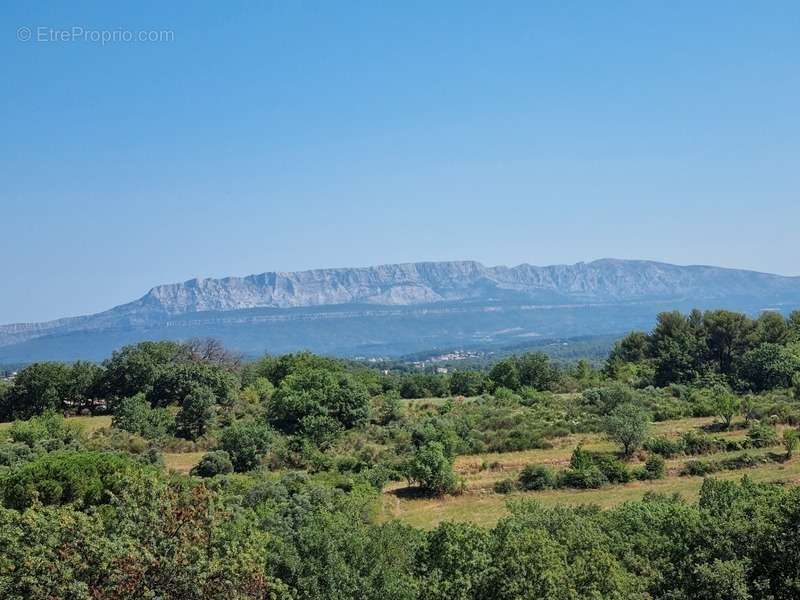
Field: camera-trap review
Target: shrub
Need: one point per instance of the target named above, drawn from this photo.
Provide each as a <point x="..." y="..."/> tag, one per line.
<point x="612" y="468"/>
<point x="213" y="463"/>
<point x="81" y="478"/>
<point x="791" y="439"/>
<point x="135" y="415"/>
<point x="245" y="444"/>
<point x="13" y="453"/>
<point x="654" y="467"/>
<point x="762" y="435"/>
<point x="664" y="446"/>
<point x="585" y="478"/>
<point x="537" y="477"/>
<point x="504" y="486"/>
<point x="49" y="431"/>
<point x="695" y="468"/>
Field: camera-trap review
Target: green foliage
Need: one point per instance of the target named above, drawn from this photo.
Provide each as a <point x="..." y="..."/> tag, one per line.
<point x="134" y="369"/>
<point x="762" y="435"/>
<point x="217" y="462"/>
<point x="318" y="393"/>
<point x="627" y="425"/>
<point x="468" y="383"/>
<point x="432" y="470"/>
<point x="245" y="444"/>
<point x="537" y="477"/>
<point x="725" y="404"/>
<point x="197" y="414"/>
<point x="174" y="382"/>
<point x="791" y="441"/>
<point x="47" y="432"/>
<point x="137" y="416"/>
<point x="505" y="486"/>
<point x="80" y="478"/>
<point x="50" y="386"/>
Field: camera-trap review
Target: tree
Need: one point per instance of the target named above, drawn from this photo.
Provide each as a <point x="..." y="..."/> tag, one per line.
<point x="725" y="404"/>
<point x="197" y="414"/>
<point x="432" y="470"/>
<point x="456" y="558"/>
<point x="791" y="440"/>
<point x="768" y="366"/>
<point x="174" y="382"/>
<point x="628" y="425"/>
<point x="505" y="374"/>
<point x="467" y="383"/>
<point x="245" y="443"/>
<point x="536" y="370"/>
<point x="39" y="387"/>
<point x="318" y="393"/>
<point x="137" y="416"/>
<point x="133" y="369"/>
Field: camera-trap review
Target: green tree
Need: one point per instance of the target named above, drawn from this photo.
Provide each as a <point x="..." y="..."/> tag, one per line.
<point x="39" y="387"/>
<point x="133" y="369"/>
<point x="174" y="382"/>
<point x="431" y="469"/>
<point x="318" y="393"/>
<point x="768" y="366"/>
<point x="505" y="374"/>
<point x="454" y="561"/>
<point x="137" y="416"/>
<point x="245" y="443"/>
<point x="467" y="383"/>
<point x="197" y="414"/>
<point x="725" y="404"/>
<point x="628" y="425"/>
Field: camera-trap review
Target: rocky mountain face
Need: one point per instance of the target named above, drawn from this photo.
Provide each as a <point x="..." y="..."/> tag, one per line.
<point x="428" y="288"/>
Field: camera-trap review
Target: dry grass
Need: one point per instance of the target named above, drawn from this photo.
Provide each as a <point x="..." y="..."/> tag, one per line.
<point x="182" y="462"/>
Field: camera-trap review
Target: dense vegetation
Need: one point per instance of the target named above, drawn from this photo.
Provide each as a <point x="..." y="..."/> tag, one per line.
<point x="295" y="451"/>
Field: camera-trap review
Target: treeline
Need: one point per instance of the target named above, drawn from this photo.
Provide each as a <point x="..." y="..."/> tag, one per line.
<point x="712" y="347"/>
<point x="139" y="534"/>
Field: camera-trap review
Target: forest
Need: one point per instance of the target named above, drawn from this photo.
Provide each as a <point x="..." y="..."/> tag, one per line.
<point x="179" y="470"/>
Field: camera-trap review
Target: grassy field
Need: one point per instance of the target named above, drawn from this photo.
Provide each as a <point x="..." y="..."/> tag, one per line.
<point x="88" y="424"/>
<point x="480" y="504"/>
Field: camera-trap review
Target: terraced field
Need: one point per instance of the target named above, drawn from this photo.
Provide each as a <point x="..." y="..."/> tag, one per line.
<point x="480" y="504"/>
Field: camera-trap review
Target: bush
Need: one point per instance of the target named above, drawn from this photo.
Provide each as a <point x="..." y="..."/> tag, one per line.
<point x="654" y="467"/>
<point x="762" y="435"/>
<point x="612" y="468"/>
<point x="586" y="478"/>
<point x="664" y="446"/>
<point x="135" y="415"/>
<point x="213" y="463"/>
<point x="504" y="486"/>
<point x="245" y="444"/>
<point x="537" y="477"/>
<point x="49" y="431"/>
<point x="81" y="478"/>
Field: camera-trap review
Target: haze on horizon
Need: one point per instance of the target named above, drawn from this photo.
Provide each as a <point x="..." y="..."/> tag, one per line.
<point x="288" y="137"/>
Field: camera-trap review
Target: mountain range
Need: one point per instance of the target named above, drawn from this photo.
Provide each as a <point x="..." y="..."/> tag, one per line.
<point x="390" y="310"/>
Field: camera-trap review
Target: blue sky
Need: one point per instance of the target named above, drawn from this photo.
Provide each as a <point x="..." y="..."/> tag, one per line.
<point x="286" y="136"/>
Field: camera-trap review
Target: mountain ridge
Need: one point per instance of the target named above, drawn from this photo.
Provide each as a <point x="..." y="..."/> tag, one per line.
<point x="450" y="284"/>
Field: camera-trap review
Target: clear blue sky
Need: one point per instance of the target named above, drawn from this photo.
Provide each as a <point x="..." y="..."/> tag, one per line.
<point x="294" y="135"/>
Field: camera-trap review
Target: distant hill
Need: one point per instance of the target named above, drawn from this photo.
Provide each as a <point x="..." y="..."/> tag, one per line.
<point x="392" y="310"/>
